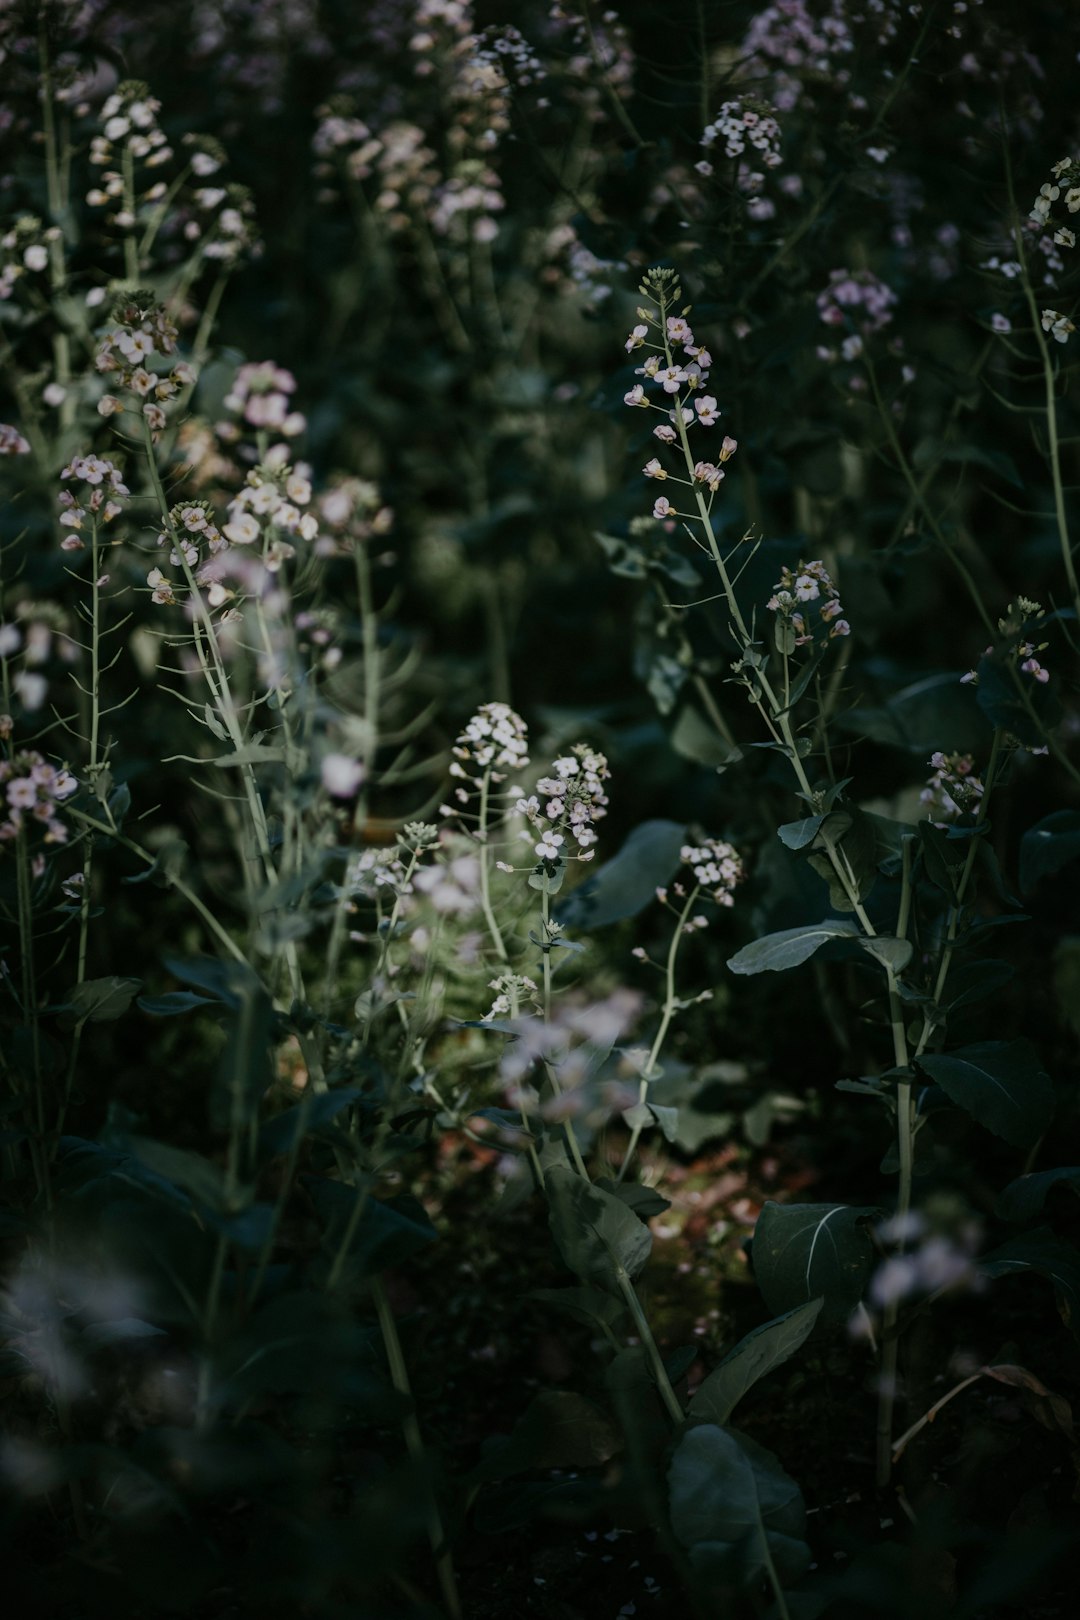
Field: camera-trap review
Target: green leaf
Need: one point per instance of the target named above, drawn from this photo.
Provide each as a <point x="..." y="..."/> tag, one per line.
<point x="797" y="834"/>
<point x="101" y="1000"/>
<point x="695" y="739"/>
<point x="1048" y="846"/>
<point x="644" y="1201"/>
<point x="1001" y="692"/>
<point x="172" y="1003"/>
<point x="1046" y="1255"/>
<point x="919" y="716"/>
<point x="596" y="1234"/>
<point x="589" y="1306"/>
<point x="774" y="953"/>
<point x="1025" y="1197"/>
<point x="803" y="1252"/>
<point x="892" y="953"/>
<point x="754" y="1356"/>
<point x="851" y="833"/>
<point x="198" y="1176"/>
<point x="626" y="884"/>
<point x="735" y="1509"/>
<point x="389" y="1230"/>
<point x="1000" y="1083"/>
<point x="944" y="857"/>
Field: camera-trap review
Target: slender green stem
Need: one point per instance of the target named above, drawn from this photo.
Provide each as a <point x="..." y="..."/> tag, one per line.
<point x="485" y="856"/>
<point x="669" y="1009"/>
<point x="651" y="1348"/>
<point x="552" y="1072"/>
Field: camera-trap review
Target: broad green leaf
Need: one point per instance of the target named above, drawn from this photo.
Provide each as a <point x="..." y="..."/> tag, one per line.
<point x="892" y="953"/>
<point x="787" y="949"/>
<point x="943" y="857"/>
<point x="754" y="1356"/>
<point x="101" y="1000"/>
<point x="1025" y="1197"/>
<point x="596" y="1234"/>
<point x="282" y="1133"/>
<point x="628" y="882"/>
<point x="1048" y="846"/>
<point x="1043" y="1254"/>
<point x="919" y="716"/>
<point x="1000" y="1083"/>
<point x="797" y="834"/>
<point x="804" y="1252"/>
<point x="735" y="1509"/>
<point x="198" y="1176"/>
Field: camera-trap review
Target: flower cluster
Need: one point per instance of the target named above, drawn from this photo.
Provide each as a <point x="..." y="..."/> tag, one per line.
<point x="1013" y="624"/>
<point x="1059" y="325"/>
<point x="141" y="328"/>
<point x="25" y="251"/>
<point x="351" y="510"/>
<point x="744" y="122"/>
<point x="130" y="134"/>
<point x="511" y="989"/>
<point x="681" y="377"/>
<point x="495" y="739"/>
<point x="716" y="867"/>
<point x="566" y="804"/>
<point x="954" y="790"/>
<point x="1066" y="177"/>
<point x="220" y="218"/>
<point x="859" y="301"/>
<point x="101" y="484"/>
<point x="191" y="526"/>
<point x="270" y="506"/>
<point x="260" y="396"/>
<point x="12" y="442"/>
<point x="32" y="792"/>
<point x="809" y="582"/>
<point x="799" y="48"/>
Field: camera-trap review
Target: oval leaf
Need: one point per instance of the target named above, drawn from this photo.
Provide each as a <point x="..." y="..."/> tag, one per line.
<point x="734" y="1507"/>
<point x="1000" y="1083"/>
<point x="754" y="1356"/>
<point x="595" y="1233"/>
<point x="803" y="1252"/>
<point x="776" y="952"/>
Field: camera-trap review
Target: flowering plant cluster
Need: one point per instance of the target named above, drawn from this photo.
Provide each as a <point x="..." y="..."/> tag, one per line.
<point x="101" y="483"/>
<point x="795" y="590"/>
<point x="33" y="792"/>
<point x="141" y="328"/>
<point x="567" y="804"/>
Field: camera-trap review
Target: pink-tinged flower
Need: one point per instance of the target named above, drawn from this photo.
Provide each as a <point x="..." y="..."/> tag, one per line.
<point x="651" y="368"/>
<point x="12" y="442"/>
<point x="341" y="776"/>
<point x="109" y="405"/>
<point x="653" y="469"/>
<point x="678" y="331"/>
<point x="636" y="396"/>
<point x="662" y="508"/>
<point x="707" y="412"/>
<point x="1032" y="667"/>
<point x="840" y="628"/>
<point x="161" y="589"/>
<point x="671" y="378"/>
<point x="728" y="448"/>
<point x="702" y="356"/>
<point x="637" y="338"/>
<point x="664" y="433"/>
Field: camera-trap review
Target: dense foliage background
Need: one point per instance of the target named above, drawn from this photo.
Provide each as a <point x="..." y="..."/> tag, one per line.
<point x="280" y="1318"/>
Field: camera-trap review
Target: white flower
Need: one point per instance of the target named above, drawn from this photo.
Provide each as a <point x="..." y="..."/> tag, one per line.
<point x="242" y="530"/>
<point x="341" y="776"/>
<point x="653" y="469"/>
<point x="36" y="257"/>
